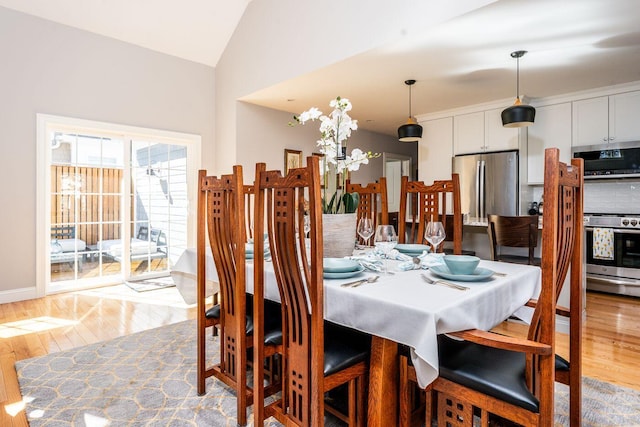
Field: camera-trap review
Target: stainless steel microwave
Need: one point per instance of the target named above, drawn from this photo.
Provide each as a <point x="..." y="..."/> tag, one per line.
<point x="615" y="160"/>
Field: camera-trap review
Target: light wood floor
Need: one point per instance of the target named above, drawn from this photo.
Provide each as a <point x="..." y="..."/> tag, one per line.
<point x="59" y="322"/>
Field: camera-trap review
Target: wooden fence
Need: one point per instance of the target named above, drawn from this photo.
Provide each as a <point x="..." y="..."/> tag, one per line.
<point x="77" y="191"/>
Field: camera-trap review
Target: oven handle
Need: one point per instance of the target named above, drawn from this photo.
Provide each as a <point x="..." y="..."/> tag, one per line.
<point x="617" y="230"/>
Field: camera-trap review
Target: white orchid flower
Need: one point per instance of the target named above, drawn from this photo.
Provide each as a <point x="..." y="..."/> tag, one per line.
<point x="311" y="114"/>
<point x="335" y="129"/>
<point x="357" y="158"/>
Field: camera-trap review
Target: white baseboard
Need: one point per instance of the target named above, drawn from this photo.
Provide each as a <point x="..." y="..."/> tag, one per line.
<point x="20" y="294"/>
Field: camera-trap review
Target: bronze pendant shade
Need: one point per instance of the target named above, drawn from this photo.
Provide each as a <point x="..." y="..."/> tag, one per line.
<point x="519" y="114"/>
<point x="410" y="131"/>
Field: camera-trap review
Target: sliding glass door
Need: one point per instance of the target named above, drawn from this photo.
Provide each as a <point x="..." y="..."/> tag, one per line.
<point x="118" y="205"/>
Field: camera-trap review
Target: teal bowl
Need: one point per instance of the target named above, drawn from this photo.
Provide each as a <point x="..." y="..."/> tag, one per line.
<point x="461" y="264"/>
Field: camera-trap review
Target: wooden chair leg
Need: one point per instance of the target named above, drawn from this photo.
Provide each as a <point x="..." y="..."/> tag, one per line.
<point x="404" y="400"/>
<point x="352" y="402"/>
<point x="429" y="408"/>
<point x="362" y="396"/>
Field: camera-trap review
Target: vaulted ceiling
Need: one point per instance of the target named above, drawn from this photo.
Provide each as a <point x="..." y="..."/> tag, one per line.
<point x="572" y="45"/>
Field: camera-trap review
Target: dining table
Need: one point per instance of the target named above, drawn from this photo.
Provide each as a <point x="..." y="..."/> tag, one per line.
<point x="402" y="308"/>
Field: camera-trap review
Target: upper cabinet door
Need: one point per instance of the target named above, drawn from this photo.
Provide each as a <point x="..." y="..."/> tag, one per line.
<point x="498" y="137"/>
<point x="591" y="121"/>
<point x="468" y="133"/>
<point x="624" y="117"/>
<point x="435" y="150"/>
<point x="552" y="128"/>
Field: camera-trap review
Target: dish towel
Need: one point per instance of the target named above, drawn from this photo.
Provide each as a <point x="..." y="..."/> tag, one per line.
<point x="603" y="243"/>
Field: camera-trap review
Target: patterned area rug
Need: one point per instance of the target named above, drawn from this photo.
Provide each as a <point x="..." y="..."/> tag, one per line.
<point x="148" y="378"/>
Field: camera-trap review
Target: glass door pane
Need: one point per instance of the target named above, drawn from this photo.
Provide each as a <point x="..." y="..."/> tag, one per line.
<point x="158" y="206"/>
<point x="86" y="206"/>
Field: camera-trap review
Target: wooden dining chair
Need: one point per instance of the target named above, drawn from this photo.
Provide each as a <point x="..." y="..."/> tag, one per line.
<point x="429" y="203"/>
<point x="373" y="202"/>
<point x="221" y="221"/>
<point x="212" y="314"/>
<point x="509" y="377"/>
<point x="317" y="356"/>
<point x="514" y="232"/>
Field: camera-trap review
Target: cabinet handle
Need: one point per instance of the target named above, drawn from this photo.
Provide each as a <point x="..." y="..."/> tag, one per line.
<point x="611" y="138"/>
<point x="605" y="139"/>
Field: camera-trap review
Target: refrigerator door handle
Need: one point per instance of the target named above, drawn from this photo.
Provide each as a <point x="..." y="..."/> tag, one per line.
<point x="476" y="212"/>
<point x="481" y="193"/>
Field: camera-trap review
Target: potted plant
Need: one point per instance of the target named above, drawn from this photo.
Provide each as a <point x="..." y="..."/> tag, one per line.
<point x="335" y="164"/>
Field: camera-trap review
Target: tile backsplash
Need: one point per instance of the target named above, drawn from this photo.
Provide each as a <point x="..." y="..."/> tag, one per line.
<point x="616" y="196"/>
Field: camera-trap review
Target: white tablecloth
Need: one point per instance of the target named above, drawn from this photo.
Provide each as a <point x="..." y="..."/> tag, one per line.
<point x="184" y="275"/>
<point x="405" y="309"/>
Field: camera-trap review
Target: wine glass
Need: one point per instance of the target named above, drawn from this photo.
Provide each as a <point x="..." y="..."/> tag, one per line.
<point x="365" y="229"/>
<point x="385" y="240"/>
<point x="434" y="233"/>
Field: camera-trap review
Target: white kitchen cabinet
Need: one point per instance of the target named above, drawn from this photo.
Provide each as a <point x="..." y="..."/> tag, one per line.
<point x="552" y="128"/>
<point x="468" y="133"/>
<point x="498" y="137"/>
<point x="606" y="119"/>
<point x="482" y="131"/>
<point x="435" y="150"/>
<point x="624" y="114"/>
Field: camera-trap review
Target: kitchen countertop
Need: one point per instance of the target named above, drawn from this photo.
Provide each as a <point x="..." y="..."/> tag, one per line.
<point x="482" y="222"/>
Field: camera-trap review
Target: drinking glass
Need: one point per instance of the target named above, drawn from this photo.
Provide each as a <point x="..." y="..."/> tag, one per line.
<point x="434" y="233"/>
<point x="385" y="240"/>
<point x="365" y="229"/>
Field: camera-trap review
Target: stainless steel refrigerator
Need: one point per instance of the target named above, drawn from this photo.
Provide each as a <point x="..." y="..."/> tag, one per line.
<point x="488" y="183"/>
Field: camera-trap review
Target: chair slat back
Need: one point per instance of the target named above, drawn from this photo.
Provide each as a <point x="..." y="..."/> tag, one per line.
<point x="373" y="201"/>
<point x="248" y="209"/>
<point x="221" y="223"/>
<point x="280" y="207"/>
<point x="562" y="232"/>
<point x="513" y="231"/>
<point x="429" y="204"/>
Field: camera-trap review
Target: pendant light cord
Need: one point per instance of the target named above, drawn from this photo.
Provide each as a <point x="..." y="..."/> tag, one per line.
<point x="410" y="101"/>
<point x="518" y="78"/>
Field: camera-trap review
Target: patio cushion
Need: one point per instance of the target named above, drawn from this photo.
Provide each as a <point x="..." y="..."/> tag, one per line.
<point x="68" y="245"/>
<point x="137" y="247"/>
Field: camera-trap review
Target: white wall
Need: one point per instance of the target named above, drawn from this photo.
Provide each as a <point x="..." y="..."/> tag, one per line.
<point x="280" y="39"/>
<point x="54" y="69"/>
<point x="265" y="133"/>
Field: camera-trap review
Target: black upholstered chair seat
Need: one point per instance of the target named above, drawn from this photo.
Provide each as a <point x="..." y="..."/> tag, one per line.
<point x="213" y="312"/>
<point x="474" y="366"/>
<point x="343" y="347"/>
<point x="273" y="323"/>
<point x="561" y="364"/>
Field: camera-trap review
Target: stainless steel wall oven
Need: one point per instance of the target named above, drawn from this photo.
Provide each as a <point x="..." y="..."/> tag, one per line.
<point x="621" y="274"/>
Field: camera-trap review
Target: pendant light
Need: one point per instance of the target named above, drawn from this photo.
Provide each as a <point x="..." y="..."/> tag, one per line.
<point x="411" y="131"/>
<point x="519" y="114"/>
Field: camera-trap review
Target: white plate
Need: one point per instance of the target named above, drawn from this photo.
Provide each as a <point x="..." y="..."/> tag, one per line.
<point x="342" y="275"/>
<point x="412" y="249"/>
<point x="339" y="265"/>
<point x="478" y="275"/>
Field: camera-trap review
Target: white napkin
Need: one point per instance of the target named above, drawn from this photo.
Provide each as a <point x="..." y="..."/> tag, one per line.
<point x="369" y="261"/>
<point x="393" y="254"/>
<point x="427" y="260"/>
